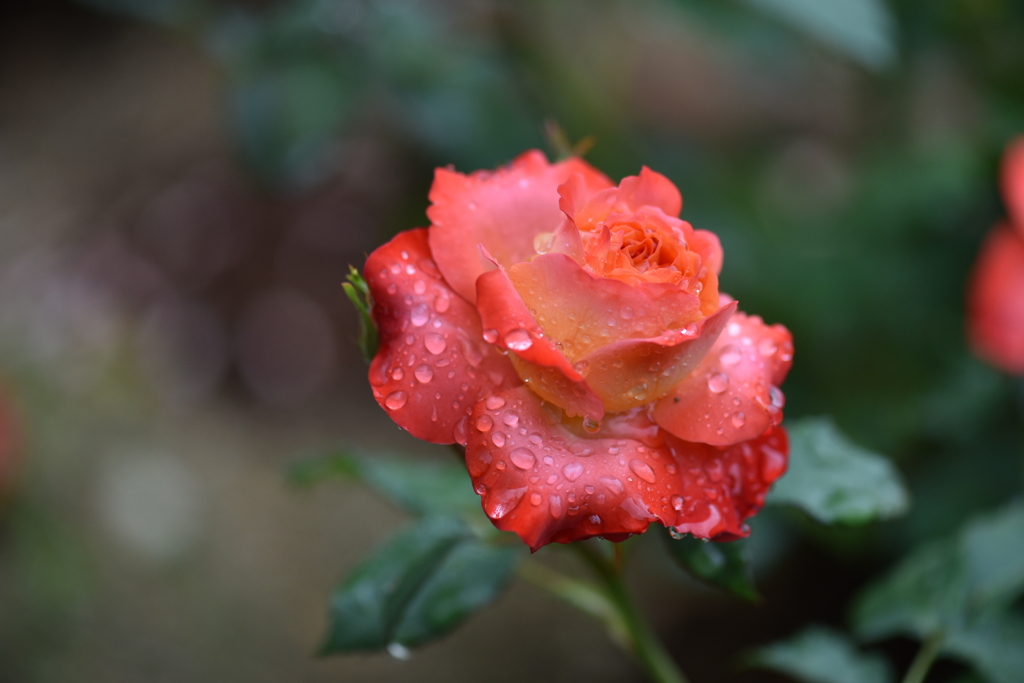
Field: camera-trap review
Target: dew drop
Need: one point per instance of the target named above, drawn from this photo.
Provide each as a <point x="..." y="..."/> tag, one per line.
<point x="718" y="382"/>
<point x="484" y="423"/>
<point x="419" y="287"/>
<point x="642" y="470"/>
<point x="594" y="519"/>
<point x="671" y="468"/>
<point x="397" y="374"/>
<point x="523" y="458"/>
<point x="738" y="419"/>
<point x="494" y="402"/>
<point x="518" y="340"/>
<point x="396" y="399"/>
<point x="536" y="439"/>
<point x="731" y="355"/>
<point x="392" y="288"/>
<point x="626" y="313"/>
<point x="419" y="315"/>
<point x="442" y="303"/>
<point x="677" y="503"/>
<point x="555" y="506"/>
<point x="572" y="471"/>
<point x="498" y="438"/>
<point x="490" y="336"/>
<point x="777" y="397"/>
<point x="435" y="343"/>
<point x="424" y="373"/>
<point x="500" y="465"/>
<point x="612" y="484"/>
<point x="766" y="347"/>
<point x="511" y="419"/>
<point x="536" y="499"/>
<point x="689" y="330"/>
<point x="591" y="426"/>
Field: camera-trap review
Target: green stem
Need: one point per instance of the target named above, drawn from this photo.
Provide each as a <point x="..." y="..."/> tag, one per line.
<point x="924" y="659"/>
<point x="642" y="642"/>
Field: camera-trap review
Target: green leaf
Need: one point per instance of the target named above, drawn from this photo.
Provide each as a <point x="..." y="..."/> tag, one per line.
<point x="417" y="587"/>
<point x="821" y="655"/>
<point x="721" y="564"/>
<point x="947" y="585"/>
<point x="420" y="488"/>
<point x="926" y="593"/>
<point x="834" y="480"/>
<point x="358" y="292"/>
<point x="863" y="30"/>
<point x="994" y="646"/>
<point x="994" y="548"/>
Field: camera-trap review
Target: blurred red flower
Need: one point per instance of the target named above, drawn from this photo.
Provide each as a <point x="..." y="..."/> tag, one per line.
<point x="995" y="298"/>
<point x="571" y="335"/>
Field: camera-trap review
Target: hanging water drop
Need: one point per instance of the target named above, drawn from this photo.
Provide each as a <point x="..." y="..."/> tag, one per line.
<point x="591" y="426"/>
<point x="518" y="340"/>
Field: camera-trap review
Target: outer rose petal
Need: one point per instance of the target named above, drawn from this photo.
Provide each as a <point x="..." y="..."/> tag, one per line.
<point x="733" y="396"/>
<point x="995" y="300"/>
<point x="503" y="210"/>
<point x="1012" y="183"/>
<point x="548" y="483"/>
<point x="510" y="326"/>
<point x="433" y="365"/>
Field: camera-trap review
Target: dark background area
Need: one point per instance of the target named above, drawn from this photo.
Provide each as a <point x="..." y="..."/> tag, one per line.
<point x="184" y="183"/>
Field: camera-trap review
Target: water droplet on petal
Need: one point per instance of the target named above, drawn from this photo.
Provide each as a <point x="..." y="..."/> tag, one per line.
<point x="442" y="303"/>
<point x="594" y="519"/>
<point x="591" y="426"/>
<point x="536" y="499"/>
<point x="518" y="340"/>
<point x="677" y="503"/>
<point x="498" y="438"/>
<point x="626" y="313"/>
<point x="777" y="397"/>
<point x="490" y="336"/>
<point x="419" y="287"/>
<point x="484" y="423"/>
<point x="612" y="484"/>
<point x="738" y="419"/>
<point x="572" y="471"/>
<point x="494" y="402"/>
<point x="766" y="347"/>
<point x="435" y="343"/>
<point x="636" y="508"/>
<point x="392" y="288"/>
<point x="419" y="315"/>
<point x="642" y="470"/>
<point x="731" y="355"/>
<point x="397" y="374"/>
<point x="555" y="506"/>
<point x="718" y="382"/>
<point x="396" y="399"/>
<point x="424" y="373"/>
<point x="523" y="458"/>
<point x="511" y="419"/>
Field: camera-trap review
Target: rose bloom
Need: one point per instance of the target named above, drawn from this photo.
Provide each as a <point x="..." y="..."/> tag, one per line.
<point x="995" y="297"/>
<point x="570" y="334"/>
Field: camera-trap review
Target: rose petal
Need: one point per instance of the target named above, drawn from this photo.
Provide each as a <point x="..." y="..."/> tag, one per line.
<point x="433" y="365"/>
<point x="546" y="481"/>
<point x="995" y="300"/>
<point x="632" y="372"/>
<point x="650" y="189"/>
<point x="581" y="311"/>
<point x="503" y="210"/>
<point x="1012" y="183"/>
<point x="733" y="395"/>
<point x="723" y="486"/>
<point x="510" y="326"/>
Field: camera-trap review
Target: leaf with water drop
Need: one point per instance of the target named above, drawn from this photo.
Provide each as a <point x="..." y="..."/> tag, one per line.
<point x="417" y="587"/>
<point x="358" y="292"/>
<point x="721" y="564"/>
<point x="835" y="480"/>
<point x="821" y="655"/>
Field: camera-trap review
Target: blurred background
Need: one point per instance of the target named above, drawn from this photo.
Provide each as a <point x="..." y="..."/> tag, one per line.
<point x="183" y="184"/>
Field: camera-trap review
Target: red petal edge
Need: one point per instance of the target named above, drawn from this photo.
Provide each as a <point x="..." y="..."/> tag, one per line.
<point x="433" y="365"/>
<point x="733" y="395"/>
<point x="546" y="482"/>
<point x="995" y="300"/>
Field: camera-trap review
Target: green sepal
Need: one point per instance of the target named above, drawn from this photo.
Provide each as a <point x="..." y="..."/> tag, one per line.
<point x="358" y="292"/>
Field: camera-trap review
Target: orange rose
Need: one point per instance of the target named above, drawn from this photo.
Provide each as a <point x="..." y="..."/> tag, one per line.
<point x="571" y="335"/>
